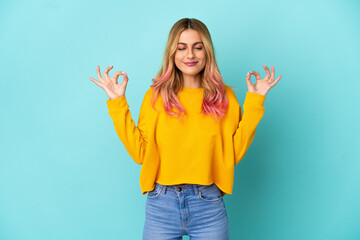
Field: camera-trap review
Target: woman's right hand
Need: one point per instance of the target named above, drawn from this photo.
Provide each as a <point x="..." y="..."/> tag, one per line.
<point x="110" y="85"/>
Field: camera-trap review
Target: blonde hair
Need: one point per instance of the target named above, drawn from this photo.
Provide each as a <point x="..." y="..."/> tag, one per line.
<point x="168" y="81"/>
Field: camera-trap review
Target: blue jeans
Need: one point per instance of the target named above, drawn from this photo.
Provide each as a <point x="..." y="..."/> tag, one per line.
<point x="173" y="211"/>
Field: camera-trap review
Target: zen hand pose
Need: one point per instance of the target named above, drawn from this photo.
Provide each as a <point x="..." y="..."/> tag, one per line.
<point x="262" y="86"/>
<point x="110" y="84"/>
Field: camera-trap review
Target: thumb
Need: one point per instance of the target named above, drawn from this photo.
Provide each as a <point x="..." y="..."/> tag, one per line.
<point x="248" y="80"/>
<point x="125" y="79"/>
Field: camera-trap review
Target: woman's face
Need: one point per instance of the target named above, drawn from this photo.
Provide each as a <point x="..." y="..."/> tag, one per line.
<point x="190" y="49"/>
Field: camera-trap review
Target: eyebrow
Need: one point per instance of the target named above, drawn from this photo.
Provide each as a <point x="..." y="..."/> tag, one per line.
<point x="186" y="44"/>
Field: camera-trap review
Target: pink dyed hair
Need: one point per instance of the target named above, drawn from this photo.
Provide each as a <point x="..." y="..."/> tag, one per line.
<point x="168" y="81"/>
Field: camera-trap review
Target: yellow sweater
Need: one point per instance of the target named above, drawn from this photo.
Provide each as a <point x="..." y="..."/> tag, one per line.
<point x="195" y="150"/>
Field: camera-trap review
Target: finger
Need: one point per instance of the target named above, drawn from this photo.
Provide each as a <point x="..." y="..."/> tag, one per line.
<point x="99" y="74"/>
<point x="97" y="83"/>
<point x="116" y="76"/>
<point x="248" y="79"/>
<point x="268" y="75"/>
<point x="275" y="82"/>
<point x="125" y="78"/>
<point x="272" y="73"/>
<point x="106" y="73"/>
<point x="257" y="75"/>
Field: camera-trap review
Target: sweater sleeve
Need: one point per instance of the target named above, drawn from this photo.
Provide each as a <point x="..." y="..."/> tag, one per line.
<point x="133" y="137"/>
<point x="245" y="133"/>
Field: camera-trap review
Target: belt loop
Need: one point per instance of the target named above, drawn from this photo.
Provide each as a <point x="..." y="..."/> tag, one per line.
<point x="196" y="190"/>
<point x="163" y="189"/>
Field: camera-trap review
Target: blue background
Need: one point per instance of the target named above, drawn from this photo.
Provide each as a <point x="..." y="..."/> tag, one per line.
<point x="64" y="173"/>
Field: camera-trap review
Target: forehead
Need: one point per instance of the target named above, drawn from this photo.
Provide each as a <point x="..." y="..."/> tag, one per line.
<point x="189" y="36"/>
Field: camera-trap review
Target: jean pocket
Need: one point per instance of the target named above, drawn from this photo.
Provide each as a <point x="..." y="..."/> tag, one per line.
<point x="210" y="194"/>
<point x="155" y="192"/>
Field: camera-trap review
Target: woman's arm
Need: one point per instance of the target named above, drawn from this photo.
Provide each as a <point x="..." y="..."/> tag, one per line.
<point x="245" y="133"/>
<point x="253" y="110"/>
<point x="133" y="137"/>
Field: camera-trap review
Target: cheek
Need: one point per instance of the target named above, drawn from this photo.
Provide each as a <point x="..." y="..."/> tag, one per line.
<point x="178" y="57"/>
<point x="203" y="59"/>
<point x="202" y="56"/>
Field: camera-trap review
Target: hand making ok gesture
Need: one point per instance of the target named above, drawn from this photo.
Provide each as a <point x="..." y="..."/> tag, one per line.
<point x="262" y="86"/>
<point x="111" y="86"/>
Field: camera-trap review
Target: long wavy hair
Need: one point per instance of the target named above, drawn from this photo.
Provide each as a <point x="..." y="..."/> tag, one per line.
<point x="169" y="81"/>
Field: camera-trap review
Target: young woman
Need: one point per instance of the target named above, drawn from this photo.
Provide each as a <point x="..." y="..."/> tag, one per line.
<point x="190" y="135"/>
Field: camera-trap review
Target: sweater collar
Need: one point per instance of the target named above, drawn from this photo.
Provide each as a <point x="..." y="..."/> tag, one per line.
<point x="191" y="90"/>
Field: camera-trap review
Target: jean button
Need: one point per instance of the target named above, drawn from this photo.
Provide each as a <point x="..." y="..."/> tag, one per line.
<point x="179" y="189"/>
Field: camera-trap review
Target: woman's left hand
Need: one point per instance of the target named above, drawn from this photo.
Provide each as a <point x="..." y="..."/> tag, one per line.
<point x="262" y="86"/>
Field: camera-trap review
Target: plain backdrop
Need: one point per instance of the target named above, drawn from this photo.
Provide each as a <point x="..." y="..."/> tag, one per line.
<point x="65" y="174"/>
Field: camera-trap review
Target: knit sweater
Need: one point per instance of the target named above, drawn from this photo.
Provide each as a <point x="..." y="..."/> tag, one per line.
<point x="194" y="150"/>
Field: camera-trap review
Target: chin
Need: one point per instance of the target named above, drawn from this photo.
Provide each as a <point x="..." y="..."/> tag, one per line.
<point x="192" y="73"/>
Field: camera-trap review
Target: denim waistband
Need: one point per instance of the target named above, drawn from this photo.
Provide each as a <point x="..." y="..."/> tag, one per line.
<point x="183" y="187"/>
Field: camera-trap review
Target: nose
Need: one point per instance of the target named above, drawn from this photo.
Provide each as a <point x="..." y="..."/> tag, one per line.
<point x="190" y="54"/>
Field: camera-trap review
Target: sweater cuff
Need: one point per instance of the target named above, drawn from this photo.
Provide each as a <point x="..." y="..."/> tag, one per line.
<point x="117" y="103"/>
<point x="255" y="98"/>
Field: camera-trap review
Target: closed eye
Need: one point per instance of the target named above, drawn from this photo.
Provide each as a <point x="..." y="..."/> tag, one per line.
<point x="184" y="48"/>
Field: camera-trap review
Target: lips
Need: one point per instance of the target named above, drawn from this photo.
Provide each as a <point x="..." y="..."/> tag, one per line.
<point x="190" y="63"/>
